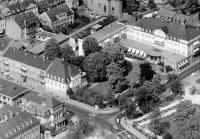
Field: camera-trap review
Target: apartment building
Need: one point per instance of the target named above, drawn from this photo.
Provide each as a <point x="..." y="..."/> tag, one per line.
<point x="26" y="68"/>
<point x="17" y="124"/>
<point x="49" y="111"/>
<point x="61" y="76"/>
<point x="10" y="93"/>
<point x="22" y="26"/>
<point x="72" y="3"/>
<point x="59" y="16"/>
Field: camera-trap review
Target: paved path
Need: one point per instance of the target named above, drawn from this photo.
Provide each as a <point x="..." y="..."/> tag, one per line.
<point x="130" y="128"/>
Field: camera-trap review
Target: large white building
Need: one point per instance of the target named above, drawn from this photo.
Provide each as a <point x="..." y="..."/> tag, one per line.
<point x="167" y="40"/>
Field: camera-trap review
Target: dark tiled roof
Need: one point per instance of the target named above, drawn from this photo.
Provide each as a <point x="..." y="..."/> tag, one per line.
<point x="43" y="4"/>
<point x="171" y="28"/>
<point x="26" y="19"/>
<point x="63" y="70"/>
<point x="58" y="10"/>
<point x="13" y="90"/>
<point x="27" y="58"/>
<point x="16" y="8"/>
<point x="19" y="122"/>
<point x="27" y="3"/>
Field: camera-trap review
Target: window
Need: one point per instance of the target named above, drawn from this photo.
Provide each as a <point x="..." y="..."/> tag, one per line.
<point x="104" y="8"/>
<point x="113" y="10"/>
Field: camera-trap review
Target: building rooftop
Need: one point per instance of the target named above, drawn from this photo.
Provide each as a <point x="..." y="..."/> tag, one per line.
<point x="27" y="58"/>
<point x="10" y="89"/>
<point x="107" y="31"/>
<point x="170" y="28"/>
<point x="49" y="102"/>
<point x="25" y="19"/>
<point x="63" y="70"/>
<point x="14" y="121"/>
<point x="82" y="34"/>
<point x="16" y="8"/>
<point x="56" y="13"/>
<point x="28" y="3"/>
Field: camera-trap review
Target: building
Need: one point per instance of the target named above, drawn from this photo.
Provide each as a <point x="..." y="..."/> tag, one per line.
<point x="61" y="76"/>
<point x="25" y="68"/>
<point x="72" y="3"/>
<point x="17" y="124"/>
<point x="49" y="111"/>
<point x="11" y="94"/>
<point x="59" y="16"/>
<point x="22" y="26"/>
<point x="164" y="39"/>
<point x="105" y="7"/>
<point x="111" y="33"/>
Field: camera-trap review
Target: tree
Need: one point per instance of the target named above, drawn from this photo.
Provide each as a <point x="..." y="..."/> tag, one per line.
<point x="147" y="100"/>
<point x="90" y="45"/>
<point x="46" y="28"/>
<point x="82" y="130"/>
<point x="174" y="84"/>
<point x="186" y="121"/>
<point x="152" y="4"/>
<point x="77" y="60"/>
<point x="132" y="6"/>
<point x="114" y="69"/>
<point x="172" y="77"/>
<point x="167" y="136"/>
<point x="146" y="72"/>
<point x="52" y="49"/>
<point x="115" y="53"/>
<point x="95" y="66"/>
<point x="119" y="84"/>
<point x="123" y="102"/>
<point x="67" y="53"/>
<point x="131" y="111"/>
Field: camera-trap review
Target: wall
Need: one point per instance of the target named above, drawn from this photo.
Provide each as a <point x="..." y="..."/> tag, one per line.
<point x="13" y="30"/>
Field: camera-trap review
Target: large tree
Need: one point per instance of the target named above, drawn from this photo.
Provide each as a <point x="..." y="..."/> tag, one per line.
<point x="90" y="45"/>
<point x="67" y="53"/>
<point x="95" y="66"/>
<point x="114" y="69"/>
<point x="186" y="121"/>
<point x="131" y="111"/>
<point x="132" y="6"/>
<point x="146" y="72"/>
<point x="174" y="83"/>
<point x="52" y="49"/>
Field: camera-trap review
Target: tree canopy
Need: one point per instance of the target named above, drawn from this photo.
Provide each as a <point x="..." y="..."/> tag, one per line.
<point x="132" y="6"/>
<point x="95" y="66"/>
<point x="67" y="53"/>
<point x="90" y="45"/>
<point x="52" y="49"/>
<point x="186" y="121"/>
<point x="146" y="72"/>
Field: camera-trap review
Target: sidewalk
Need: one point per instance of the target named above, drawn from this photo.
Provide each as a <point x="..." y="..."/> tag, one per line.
<point x="131" y="129"/>
<point x="70" y="101"/>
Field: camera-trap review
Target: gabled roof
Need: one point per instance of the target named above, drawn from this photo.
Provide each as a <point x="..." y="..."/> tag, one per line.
<point x="25" y="19"/>
<point x="16" y="8"/>
<point x="166" y="13"/>
<point x="63" y="70"/>
<point x="27" y="3"/>
<point x="173" y="29"/>
<point x="16" y="123"/>
<point x="27" y="58"/>
<point x="53" y="13"/>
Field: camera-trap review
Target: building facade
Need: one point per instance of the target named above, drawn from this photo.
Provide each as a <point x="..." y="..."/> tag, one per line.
<point x="105" y="7"/>
<point x="49" y="111"/>
<point x="16" y="124"/>
<point x="72" y="3"/>
<point x="60" y="16"/>
<point x="22" y="26"/>
<point x="62" y="76"/>
<point x="25" y="68"/>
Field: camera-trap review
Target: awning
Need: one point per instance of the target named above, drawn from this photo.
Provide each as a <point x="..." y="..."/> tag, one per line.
<point x="195" y="50"/>
<point x="115" y="36"/>
<point x="107" y="41"/>
<point x="141" y="53"/>
<point x="137" y="52"/>
<point x="129" y="50"/>
<point x="145" y="55"/>
<point x="133" y="51"/>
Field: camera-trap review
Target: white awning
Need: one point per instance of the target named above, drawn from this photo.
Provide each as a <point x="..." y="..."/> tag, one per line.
<point x="141" y="53"/>
<point x="129" y="50"/>
<point x="115" y="36"/>
<point x="145" y="55"/>
<point x="107" y="41"/>
<point x="137" y="52"/>
<point x="133" y="51"/>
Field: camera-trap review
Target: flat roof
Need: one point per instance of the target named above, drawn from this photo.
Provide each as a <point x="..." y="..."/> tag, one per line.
<point x="10" y="89"/>
<point x="108" y="30"/>
<point x="170" y="57"/>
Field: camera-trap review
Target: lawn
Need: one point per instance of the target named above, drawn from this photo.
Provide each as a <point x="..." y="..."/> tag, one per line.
<point x="104" y="88"/>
